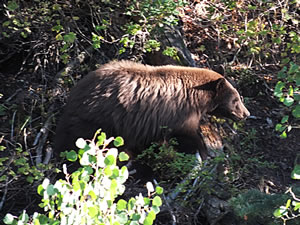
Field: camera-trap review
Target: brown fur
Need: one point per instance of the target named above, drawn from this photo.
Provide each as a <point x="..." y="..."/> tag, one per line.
<point x="135" y="101"/>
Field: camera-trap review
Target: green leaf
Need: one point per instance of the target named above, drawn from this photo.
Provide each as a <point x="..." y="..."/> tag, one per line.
<point x="57" y="28"/>
<point x="114" y="184"/>
<point x="121" y="205"/>
<point x="157" y="201"/>
<point x="89" y="170"/>
<point x="70" y="37"/>
<point x="123" y="156"/>
<point x="71" y="156"/>
<point x="147" y="201"/>
<point x="150" y="218"/>
<point x="118" y="141"/>
<point x="115" y="173"/>
<point x="51" y="190"/>
<point x="156" y="209"/>
<point x="291" y="91"/>
<point x="59" y="37"/>
<point x="297" y="97"/>
<point x="288" y="101"/>
<point x="108" y="171"/>
<point x="76" y="184"/>
<point x="136" y="217"/>
<point x="103" y="27"/>
<point x="296" y="172"/>
<point x="283" y="135"/>
<point x="24" y="217"/>
<point x="30" y="179"/>
<point x="279" y="127"/>
<point x="122" y="218"/>
<point x="8" y="219"/>
<point x="148" y="221"/>
<point x="297" y="79"/>
<point x="288" y="203"/>
<point x="6" y="23"/>
<point x="56" y="7"/>
<point x="131" y="204"/>
<point x="85" y="159"/>
<point x="296" y="205"/>
<point x="12" y="5"/>
<point x="293" y="69"/>
<point x="159" y="190"/>
<point x="43" y="220"/>
<point x="101" y="138"/>
<point x="296" y="111"/>
<point x="93" y="211"/>
<point x="278" y="88"/>
<point x="109" y="160"/>
<point x="280" y="212"/>
<point x="3" y="178"/>
<point x="93" y="195"/>
<point x="285" y="119"/>
<point x="40" y="190"/>
<point x="281" y="74"/>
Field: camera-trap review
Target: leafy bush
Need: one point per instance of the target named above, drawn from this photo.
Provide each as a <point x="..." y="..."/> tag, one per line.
<point x="291" y="210"/>
<point x="92" y="194"/>
<point x="20" y="166"/>
<point x="166" y="162"/>
<point x="256" y="206"/>
<point x="62" y="30"/>
<point x="287" y="90"/>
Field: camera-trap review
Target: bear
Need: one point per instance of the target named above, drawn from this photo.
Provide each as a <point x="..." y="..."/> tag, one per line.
<point x="138" y="102"/>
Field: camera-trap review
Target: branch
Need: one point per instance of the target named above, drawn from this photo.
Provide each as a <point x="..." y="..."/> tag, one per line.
<point x="42" y="137"/>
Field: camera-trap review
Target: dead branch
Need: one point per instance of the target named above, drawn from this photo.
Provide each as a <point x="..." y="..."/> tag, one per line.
<point x="41" y="138"/>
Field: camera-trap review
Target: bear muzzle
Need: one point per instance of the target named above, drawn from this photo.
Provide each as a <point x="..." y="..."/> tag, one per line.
<point x="242" y="115"/>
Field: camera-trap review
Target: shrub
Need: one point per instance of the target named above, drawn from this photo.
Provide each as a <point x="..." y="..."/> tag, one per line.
<point x="287" y="91"/>
<point x="166" y="162"/>
<point x="89" y="195"/>
<point x="291" y="210"/>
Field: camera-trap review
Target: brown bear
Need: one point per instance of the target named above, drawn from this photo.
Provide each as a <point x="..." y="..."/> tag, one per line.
<point x="137" y="101"/>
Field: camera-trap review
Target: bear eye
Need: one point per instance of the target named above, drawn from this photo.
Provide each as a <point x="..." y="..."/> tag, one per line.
<point x="235" y="100"/>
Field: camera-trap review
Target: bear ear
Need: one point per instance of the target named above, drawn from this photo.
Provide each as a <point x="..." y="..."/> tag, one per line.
<point x="215" y="85"/>
<point x="220" y="84"/>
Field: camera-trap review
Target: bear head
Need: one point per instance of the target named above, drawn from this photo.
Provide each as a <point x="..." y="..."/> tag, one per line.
<point x="229" y="102"/>
<point x="226" y="100"/>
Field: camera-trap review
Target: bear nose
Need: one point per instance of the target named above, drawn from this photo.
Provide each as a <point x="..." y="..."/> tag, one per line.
<point x="246" y="113"/>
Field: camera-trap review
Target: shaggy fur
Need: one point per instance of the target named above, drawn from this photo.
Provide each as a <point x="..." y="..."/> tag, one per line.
<point x="135" y="101"/>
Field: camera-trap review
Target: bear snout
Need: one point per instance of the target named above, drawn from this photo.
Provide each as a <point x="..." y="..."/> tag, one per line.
<point x="246" y="113"/>
<point x="240" y="114"/>
<point x="243" y="114"/>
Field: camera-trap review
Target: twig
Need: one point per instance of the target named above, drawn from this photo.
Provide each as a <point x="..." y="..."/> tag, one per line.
<point x="3" y="197"/>
<point x="180" y="186"/>
<point x="201" y="181"/>
<point x="168" y="206"/>
<point x="198" y="211"/>
<point x="293" y="195"/>
<point x="12" y="126"/>
<point x="47" y="158"/>
<point x="44" y="133"/>
<point x="74" y="63"/>
<point x="13" y="95"/>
